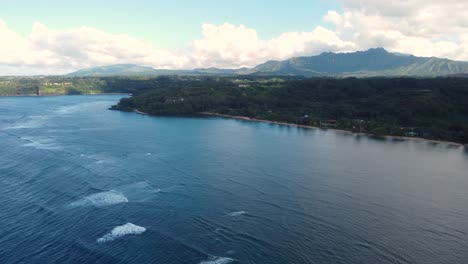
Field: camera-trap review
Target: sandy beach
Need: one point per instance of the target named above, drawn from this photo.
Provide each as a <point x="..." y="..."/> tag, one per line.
<point x="244" y="118"/>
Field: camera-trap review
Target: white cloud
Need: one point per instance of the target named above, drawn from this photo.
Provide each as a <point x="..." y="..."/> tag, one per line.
<point x="231" y="46"/>
<point x="227" y="45"/>
<point x="59" y="51"/>
<point x="420" y="27"/>
<point x="50" y="51"/>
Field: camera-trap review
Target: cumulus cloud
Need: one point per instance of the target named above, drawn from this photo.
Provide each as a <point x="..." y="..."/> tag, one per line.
<point x="237" y="46"/>
<point x="59" y="51"/>
<point x="49" y="51"/>
<point x="420" y="27"/>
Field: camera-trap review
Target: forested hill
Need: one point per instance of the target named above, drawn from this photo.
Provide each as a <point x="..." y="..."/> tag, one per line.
<point x="114" y="70"/>
<point x="60" y="85"/>
<point x="428" y="108"/>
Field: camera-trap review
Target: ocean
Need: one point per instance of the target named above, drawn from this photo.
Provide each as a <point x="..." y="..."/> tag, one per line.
<point x="82" y="184"/>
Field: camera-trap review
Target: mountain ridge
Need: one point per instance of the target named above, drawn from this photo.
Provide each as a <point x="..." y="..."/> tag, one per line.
<point x="369" y="63"/>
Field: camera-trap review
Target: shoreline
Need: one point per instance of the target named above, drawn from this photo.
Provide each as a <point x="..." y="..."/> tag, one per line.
<point x="248" y="119"/>
<point x="417" y="139"/>
<point x="50" y="95"/>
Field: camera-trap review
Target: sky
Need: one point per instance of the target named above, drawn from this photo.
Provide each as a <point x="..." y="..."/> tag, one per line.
<point x="56" y="37"/>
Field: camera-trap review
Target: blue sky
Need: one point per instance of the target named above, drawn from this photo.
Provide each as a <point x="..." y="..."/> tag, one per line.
<point x="54" y="37"/>
<point x="166" y="23"/>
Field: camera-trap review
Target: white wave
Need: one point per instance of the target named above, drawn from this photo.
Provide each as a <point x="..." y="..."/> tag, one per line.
<point x="120" y="231"/>
<point x="139" y="191"/>
<point x="136" y="192"/>
<point x="239" y="213"/>
<point x="101" y="158"/>
<point x="41" y="143"/>
<point x="217" y="260"/>
<point x="32" y="122"/>
<point x="101" y="199"/>
<point x="80" y="107"/>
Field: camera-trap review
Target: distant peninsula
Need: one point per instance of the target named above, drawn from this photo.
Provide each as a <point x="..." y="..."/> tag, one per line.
<point x="430" y="108"/>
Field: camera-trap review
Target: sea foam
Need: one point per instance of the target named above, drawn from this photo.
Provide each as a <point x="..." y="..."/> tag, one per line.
<point x="217" y="260"/>
<point x="138" y="192"/>
<point x="31" y="122"/>
<point x="101" y="199"/>
<point x="123" y="230"/>
<point x="239" y="213"/>
<point x="41" y="143"/>
<point x="80" y="107"/>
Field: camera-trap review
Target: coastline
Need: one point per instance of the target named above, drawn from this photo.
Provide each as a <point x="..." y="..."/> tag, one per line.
<point x="50" y="95"/>
<point x="417" y="139"/>
<point x="45" y="95"/>
<point x="390" y="137"/>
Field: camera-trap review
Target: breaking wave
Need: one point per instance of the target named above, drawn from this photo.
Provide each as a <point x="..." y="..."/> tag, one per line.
<point x="31" y="122"/>
<point x="123" y="230"/>
<point x="136" y="192"/>
<point x="217" y="260"/>
<point x="41" y="143"/>
<point x="101" y="199"/>
<point x="80" y="107"/>
<point x="239" y="213"/>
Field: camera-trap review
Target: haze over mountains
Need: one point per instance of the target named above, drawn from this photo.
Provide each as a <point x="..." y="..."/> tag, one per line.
<point x="373" y="62"/>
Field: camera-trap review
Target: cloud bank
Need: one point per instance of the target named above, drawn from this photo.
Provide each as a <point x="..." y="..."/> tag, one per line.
<point x="423" y="28"/>
<point x="420" y="27"/>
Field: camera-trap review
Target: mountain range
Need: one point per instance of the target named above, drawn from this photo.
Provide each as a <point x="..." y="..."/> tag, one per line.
<point x="372" y="62"/>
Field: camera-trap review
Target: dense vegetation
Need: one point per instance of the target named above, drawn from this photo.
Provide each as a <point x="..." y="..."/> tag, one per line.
<point x="10" y="86"/>
<point x="19" y="86"/>
<point x="430" y="108"/>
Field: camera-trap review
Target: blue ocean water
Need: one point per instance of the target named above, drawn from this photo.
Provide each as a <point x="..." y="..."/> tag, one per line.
<point x="82" y="184"/>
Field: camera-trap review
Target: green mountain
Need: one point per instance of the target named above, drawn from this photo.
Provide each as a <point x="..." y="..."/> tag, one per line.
<point x="373" y="62"/>
<point x="115" y="70"/>
<point x="136" y="70"/>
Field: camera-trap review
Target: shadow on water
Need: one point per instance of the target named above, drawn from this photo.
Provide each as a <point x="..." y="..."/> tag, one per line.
<point x="398" y="140"/>
<point x="358" y="137"/>
<point x="450" y="146"/>
<point x="377" y="138"/>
